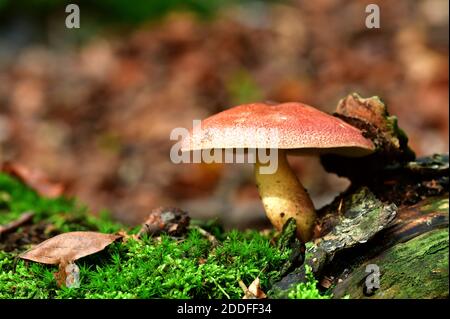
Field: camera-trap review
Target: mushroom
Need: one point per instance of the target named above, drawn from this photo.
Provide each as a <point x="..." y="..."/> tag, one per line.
<point x="298" y="129"/>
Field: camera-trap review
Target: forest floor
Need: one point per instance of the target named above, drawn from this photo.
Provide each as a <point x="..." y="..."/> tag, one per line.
<point x="187" y="266"/>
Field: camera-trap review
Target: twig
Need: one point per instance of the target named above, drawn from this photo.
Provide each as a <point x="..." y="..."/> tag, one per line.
<point x="23" y="219"/>
<point x="340" y="206"/>
<point x="208" y="235"/>
<point x="220" y="288"/>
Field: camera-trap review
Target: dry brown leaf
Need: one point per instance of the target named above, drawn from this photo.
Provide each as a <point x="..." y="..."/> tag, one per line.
<point x="326" y="282"/>
<point x="69" y="247"/>
<point x="34" y="179"/>
<point x="125" y="236"/>
<point x="254" y="290"/>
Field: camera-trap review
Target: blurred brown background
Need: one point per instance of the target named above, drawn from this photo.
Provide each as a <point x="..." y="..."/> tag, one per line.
<point x="94" y="107"/>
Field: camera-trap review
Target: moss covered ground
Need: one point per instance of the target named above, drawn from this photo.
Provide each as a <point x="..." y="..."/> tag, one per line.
<point x="154" y="267"/>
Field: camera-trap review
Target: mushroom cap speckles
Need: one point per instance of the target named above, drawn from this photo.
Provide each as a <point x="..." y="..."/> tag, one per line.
<point x="290" y="126"/>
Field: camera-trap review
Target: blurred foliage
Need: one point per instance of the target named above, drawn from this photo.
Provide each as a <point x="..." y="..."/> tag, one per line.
<point x="243" y="88"/>
<point x="116" y="11"/>
<point x="93" y="107"/>
<point x="64" y="213"/>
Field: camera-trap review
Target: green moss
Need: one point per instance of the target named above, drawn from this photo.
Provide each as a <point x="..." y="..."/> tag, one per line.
<point x="416" y="269"/>
<point x="15" y="199"/>
<point x="423" y="264"/>
<point x="242" y="88"/>
<point x="308" y="289"/>
<point x="65" y="214"/>
<point x="168" y="268"/>
<point x="162" y="267"/>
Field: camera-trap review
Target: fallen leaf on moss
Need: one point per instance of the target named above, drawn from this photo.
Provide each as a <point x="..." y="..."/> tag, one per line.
<point x="327" y="282"/>
<point x="126" y="237"/>
<point x="64" y="249"/>
<point x="69" y="247"/>
<point x="34" y="179"/>
<point x="253" y="291"/>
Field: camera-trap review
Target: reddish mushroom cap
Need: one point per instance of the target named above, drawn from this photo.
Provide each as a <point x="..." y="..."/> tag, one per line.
<point x="291" y="126"/>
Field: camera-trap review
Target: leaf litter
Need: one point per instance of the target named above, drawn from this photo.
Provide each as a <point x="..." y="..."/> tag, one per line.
<point x="35" y="179"/>
<point x="64" y="249"/>
<point x="253" y="291"/>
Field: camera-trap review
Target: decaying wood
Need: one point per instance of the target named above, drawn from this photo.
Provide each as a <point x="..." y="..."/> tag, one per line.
<point x="371" y="116"/>
<point x="417" y="268"/>
<point x="364" y="216"/>
<point x="169" y="220"/>
<point x="394" y="215"/>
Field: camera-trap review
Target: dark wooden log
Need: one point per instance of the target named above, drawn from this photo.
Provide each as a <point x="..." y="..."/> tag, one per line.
<point x="412" y="257"/>
<point x="392" y="219"/>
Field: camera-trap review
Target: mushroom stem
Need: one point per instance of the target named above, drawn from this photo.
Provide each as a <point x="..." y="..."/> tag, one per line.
<point x="283" y="197"/>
